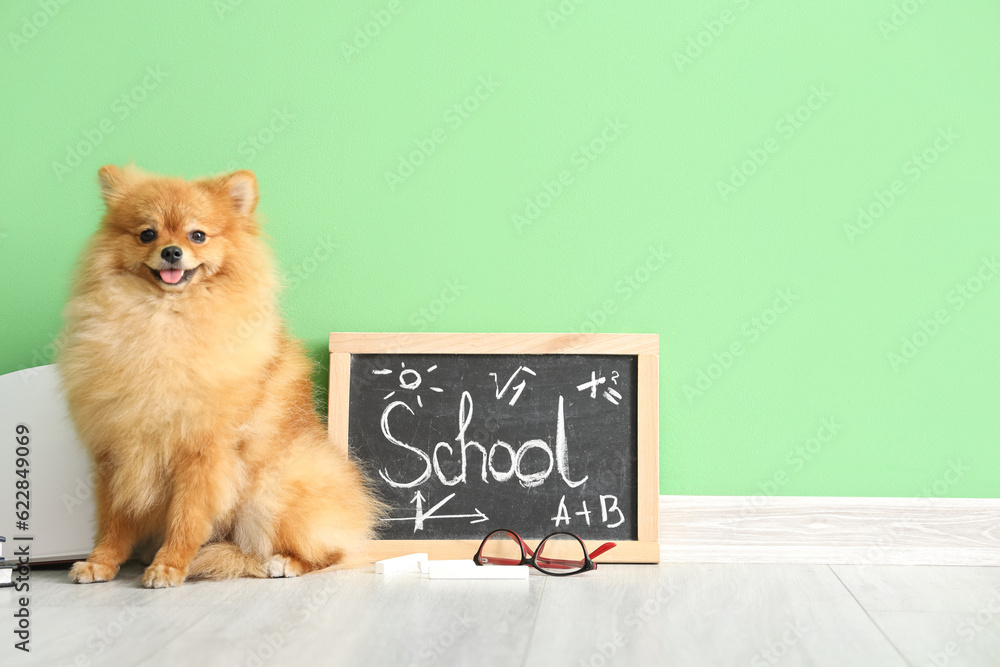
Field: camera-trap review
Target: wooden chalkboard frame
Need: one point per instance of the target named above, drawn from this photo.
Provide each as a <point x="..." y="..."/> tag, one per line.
<point x="646" y="349"/>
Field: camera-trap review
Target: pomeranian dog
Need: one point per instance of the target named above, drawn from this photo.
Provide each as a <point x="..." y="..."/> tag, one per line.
<point x="194" y="403"/>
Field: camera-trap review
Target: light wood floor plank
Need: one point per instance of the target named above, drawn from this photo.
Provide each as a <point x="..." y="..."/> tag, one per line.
<point x="939" y="639"/>
<point x="699" y="615"/>
<point x="112" y="623"/>
<point x="359" y="618"/>
<point x="672" y="614"/>
<point x="933" y="588"/>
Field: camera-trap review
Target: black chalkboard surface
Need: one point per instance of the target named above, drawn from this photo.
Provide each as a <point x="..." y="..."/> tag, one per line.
<point x="461" y="443"/>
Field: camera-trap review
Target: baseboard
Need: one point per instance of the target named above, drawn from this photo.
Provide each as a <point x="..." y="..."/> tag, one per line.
<point x="858" y="531"/>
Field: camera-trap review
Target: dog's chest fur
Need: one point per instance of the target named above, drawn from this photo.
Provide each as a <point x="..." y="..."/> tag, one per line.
<point x="161" y="372"/>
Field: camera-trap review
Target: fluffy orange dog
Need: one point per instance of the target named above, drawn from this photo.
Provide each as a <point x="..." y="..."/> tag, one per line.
<point x="194" y="403"/>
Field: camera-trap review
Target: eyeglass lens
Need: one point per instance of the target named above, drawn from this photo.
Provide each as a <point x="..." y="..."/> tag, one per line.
<point x="501" y="548"/>
<point x="561" y="554"/>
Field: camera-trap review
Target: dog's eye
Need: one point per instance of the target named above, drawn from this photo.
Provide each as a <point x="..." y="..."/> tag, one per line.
<point x="147" y="236"/>
<point x="197" y="236"/>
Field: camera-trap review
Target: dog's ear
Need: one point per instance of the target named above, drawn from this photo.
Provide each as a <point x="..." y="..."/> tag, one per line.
<point x="112" y="180"/>
<point x="240" y="187"/>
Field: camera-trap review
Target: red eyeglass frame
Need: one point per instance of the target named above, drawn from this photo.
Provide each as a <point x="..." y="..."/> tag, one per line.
<point x="588" y="564"/>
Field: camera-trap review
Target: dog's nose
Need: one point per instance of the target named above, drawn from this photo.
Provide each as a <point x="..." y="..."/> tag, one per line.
<point x="172" y="253"/>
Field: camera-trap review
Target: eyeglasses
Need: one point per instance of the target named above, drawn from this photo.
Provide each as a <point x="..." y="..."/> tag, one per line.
<point x="559" y="554"/>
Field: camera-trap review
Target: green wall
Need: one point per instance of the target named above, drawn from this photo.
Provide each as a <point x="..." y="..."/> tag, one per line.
<point x="690" y="169"/>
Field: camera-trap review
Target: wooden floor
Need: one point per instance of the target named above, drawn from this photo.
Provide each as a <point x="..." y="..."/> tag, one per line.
<point x="702" y="615"/>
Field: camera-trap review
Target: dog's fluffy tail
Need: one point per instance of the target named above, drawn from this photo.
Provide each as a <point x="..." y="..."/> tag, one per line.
<point x="224" y="560"/>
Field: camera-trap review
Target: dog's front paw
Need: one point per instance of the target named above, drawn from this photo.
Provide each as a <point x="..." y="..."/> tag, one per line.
<point x="87" y="572"/>
<point x="163" y="576"/>
<point x="284" y="566"/>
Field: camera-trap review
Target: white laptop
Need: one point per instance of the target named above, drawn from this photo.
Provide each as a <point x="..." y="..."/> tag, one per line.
<point x="60" y="494"/>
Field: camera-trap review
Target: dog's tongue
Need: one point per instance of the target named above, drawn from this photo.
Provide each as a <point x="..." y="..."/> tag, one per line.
<point x="171" y="276"/>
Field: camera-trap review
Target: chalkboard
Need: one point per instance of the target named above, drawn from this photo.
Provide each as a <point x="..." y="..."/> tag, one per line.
<point x="459" y="443"/>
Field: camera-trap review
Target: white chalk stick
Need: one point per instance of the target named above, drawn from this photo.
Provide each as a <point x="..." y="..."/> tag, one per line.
<point x="460" y="562"/>
<point x="407" y="563"/>
<point x="442" y="569"/>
